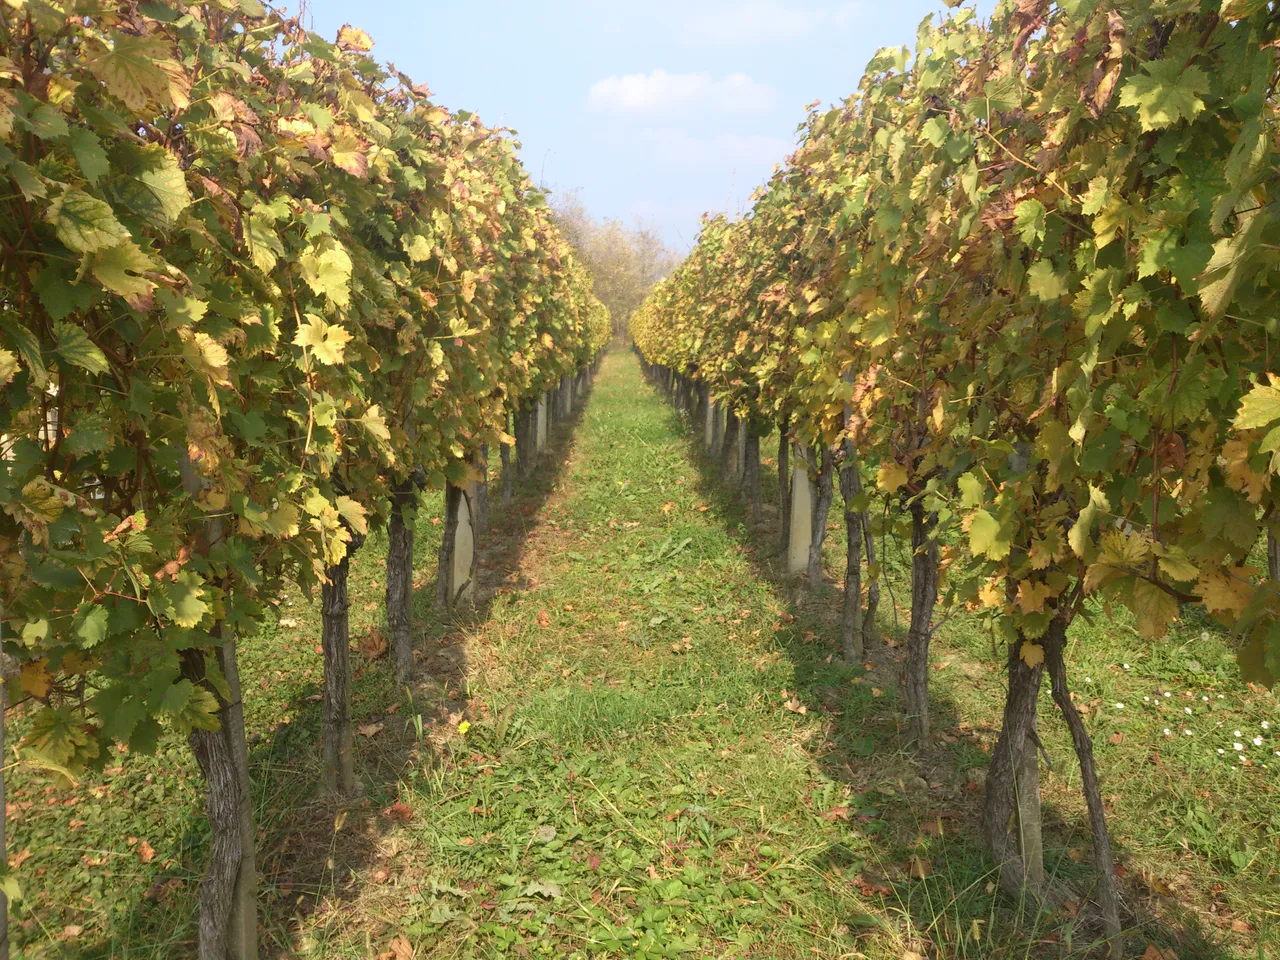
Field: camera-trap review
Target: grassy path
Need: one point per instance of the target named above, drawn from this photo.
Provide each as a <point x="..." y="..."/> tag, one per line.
<point x="639" y="745"/>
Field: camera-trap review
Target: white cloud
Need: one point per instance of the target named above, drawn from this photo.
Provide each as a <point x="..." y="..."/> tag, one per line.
<point x="755" y="21"/>
<point x="743" y="156"/>
<point x="662" y="92"/>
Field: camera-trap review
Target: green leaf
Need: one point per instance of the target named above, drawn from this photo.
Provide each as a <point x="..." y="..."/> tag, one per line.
<point x="1166" y="94"/>
<point x="986" y="537"/>
<point x="28" y="181"/>
<point x="1044" y="282"/>
<point x="59" y="296"/>
<point x="971" y="489"/>
<point x="168" y="184"/>
<point x="92" y="434"/>
<point x="47" y="123"/>
<point x="90" y="624"/>
<point x="139" y="69"/>
<point x="118" y="268"/>
<point x="181" y="601"/>
<point x="87" y="149"/>
<point x="1029" y="221"/>
<point x="85" y="223"/>
<point x="328" y="273"/>
<point x="75" y="347"/>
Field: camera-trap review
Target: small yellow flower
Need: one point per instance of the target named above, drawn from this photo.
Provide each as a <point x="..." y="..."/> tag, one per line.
<point x="464" y="726"/>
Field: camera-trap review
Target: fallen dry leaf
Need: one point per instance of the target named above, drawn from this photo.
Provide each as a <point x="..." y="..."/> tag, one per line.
<point x="400" y="812"/>
<point x="401" y="949"/>
<point x="18" y="859"/>
<point x="920" y="868"/>
<point x="369" y="729"/>
<point x="373" y="644"/>
<point x="146" y="852"/>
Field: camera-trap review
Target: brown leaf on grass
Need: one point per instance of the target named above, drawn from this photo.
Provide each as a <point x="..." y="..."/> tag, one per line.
<point x="1116" y="738"/>
<point x="146" y="852"/>
<point x="912" y="955"/>
<point x="836" y="813"/>
<point x="16" y="860"/>
<point x="1155" y="953"/>
<point x="919" y="868"/>
<point x="544" y="618"/>
<point x="877" y="692"/>
<point x="795" y="706"/>
<point x="401" y="949"/>
<point x="653" y="873"/>
<point x="373" y="644"/>
<point x="70" y="931"/>
<point x="369" y="729"/>
<point x="399" y="812"/>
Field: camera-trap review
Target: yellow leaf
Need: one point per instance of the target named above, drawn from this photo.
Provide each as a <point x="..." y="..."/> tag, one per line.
<point x="353" y="38"/>
<point x="1154" y="609"/>
<point x="327" y="341"/>
<point x="1032" y="654"/>
<point x="891" y="476"/>
<point x="1226" y="591"/>
<point x="35" y="679"/>
<point x="1032" y="595"/>
<point x="991" y="596"/>
<point x="1240" y="476"/>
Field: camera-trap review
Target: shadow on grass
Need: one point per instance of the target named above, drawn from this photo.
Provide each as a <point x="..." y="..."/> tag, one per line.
<point x="924" y="806"/>
<point x="313" y="855"/>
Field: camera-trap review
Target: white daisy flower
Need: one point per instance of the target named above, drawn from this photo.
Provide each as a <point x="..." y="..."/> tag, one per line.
<point x="1257" y="741"/>
<point x="1266" y="725"/>
<point x="1238" y="745"/>
<point x="1119" y="706"/>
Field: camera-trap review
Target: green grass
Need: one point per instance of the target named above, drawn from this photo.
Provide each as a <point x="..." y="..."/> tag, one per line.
<point x="664" y="757"/>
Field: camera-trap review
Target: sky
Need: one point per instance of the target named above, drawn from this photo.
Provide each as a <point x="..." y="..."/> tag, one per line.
<point x="658" y="111"/>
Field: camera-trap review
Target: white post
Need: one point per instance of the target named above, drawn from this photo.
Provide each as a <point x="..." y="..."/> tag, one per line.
<point x="801" y="519"/>
<point x="709" y="427"/>
<point x="541" y="432"/>
<point x="462" y="584"/>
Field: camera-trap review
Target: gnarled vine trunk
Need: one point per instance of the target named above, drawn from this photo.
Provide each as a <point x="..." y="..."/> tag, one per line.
<point x="480" y="508"/>
<point x="1107" y="891"/>
<point x="751" y="473"/>
<point x="1011" y="808"/>
<point x="400" y="527"/>
<point x="924" y="596"/>
<point x="851" y="617"/>
<point x="338" y="741"/>
<point x="784" y="488"/>
<point x="228" y="910"/>
<point x="821" y="510"/>
<point x="873" y="585"/>
<point x="729" y="447"/>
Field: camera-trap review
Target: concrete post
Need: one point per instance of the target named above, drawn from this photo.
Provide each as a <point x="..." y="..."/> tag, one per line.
<point x="540" y="434"/>
<point x="801" y="519"/>
<point x="462" y="569"/>
<point x="709" y="426"/>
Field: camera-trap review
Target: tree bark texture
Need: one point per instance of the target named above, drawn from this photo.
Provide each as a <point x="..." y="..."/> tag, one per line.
<point x="1273" y="555"/>
<point x="1009" y="802"/>
<point x="825" y="493"/>
<point x="729" y="448"/>
<point x="851" y="619"/>
<point x="338" y="741"/>
<point x="1107" y="891"/>
<point x="400" y="527"/>
<point x="924" y="596"/>
<point x="873" y="584"/>
<point x="784" y="488"/>
<point x="480" y="509"/>
<point x="227" y="923"/>
<point x="751" y="473"/>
